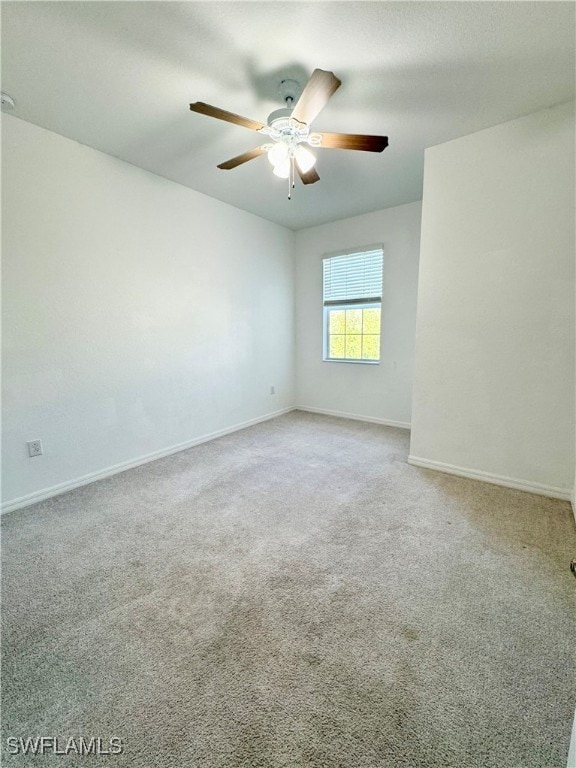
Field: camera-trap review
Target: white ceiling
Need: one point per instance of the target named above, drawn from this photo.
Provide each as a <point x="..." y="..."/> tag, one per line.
<point x="119" y="76"/>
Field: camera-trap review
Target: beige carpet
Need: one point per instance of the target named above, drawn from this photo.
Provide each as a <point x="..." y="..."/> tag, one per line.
<point x="294" y="594"/>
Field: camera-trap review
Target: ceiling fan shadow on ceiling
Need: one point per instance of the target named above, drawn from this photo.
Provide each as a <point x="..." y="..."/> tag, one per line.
<point x="289" y="130"/>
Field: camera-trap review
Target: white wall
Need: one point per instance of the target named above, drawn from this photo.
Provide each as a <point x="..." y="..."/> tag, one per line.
<point x="573" y="496"/>
<point x="494" y="378"/>
<point x="381" y="392"/>
<point x="138" y="314"/>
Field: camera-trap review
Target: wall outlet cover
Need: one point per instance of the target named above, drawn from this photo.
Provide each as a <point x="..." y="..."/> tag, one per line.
<point x="34" y="448"/>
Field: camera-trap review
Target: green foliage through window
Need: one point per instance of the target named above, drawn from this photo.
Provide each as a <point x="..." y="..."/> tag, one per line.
<point x="354" y="334"/>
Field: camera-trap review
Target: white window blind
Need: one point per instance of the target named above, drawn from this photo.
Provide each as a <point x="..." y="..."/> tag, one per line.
<point x="353" y="278"/>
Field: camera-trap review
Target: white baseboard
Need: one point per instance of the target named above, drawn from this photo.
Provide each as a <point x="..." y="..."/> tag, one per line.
<point x="486" y="477"/>
<point x="355" y="417"/>
<point x="573" y="502"/>
<point x="69" y="485"/>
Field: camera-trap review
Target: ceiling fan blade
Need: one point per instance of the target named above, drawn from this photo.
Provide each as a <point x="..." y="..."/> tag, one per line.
<point x="310" y="177"/>
<point x="239" y="159"/>
<point x="314" y="97"/>
<point x="221" y="114"/>
<point x="352" y="141"/>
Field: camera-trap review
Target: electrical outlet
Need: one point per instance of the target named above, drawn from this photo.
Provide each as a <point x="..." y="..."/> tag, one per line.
<point x="272" y="389"/>
<point x="34" y="448"/>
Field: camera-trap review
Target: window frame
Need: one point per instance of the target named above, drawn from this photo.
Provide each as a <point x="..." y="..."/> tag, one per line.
<point x="361" y="303"/>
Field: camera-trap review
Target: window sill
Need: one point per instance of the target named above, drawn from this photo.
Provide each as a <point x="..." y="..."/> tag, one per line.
<point x="354" y="362"/>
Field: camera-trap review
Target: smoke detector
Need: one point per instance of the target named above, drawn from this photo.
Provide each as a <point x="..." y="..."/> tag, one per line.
<point x="7" y="102"/>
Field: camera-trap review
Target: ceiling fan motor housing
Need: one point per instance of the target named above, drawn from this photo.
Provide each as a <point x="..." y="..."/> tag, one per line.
<point x="281" y="116"/>
<point x="284" y="129"/>
<point x="281" y="127"/>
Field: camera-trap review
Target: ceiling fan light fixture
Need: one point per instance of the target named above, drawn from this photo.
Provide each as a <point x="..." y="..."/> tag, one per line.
<point x="304" y="158"/>
<point x="282" y="169"/>
<point x="278" y="153"/>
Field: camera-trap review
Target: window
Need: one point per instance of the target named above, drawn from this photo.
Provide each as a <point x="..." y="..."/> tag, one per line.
<point x="352" y="306"/>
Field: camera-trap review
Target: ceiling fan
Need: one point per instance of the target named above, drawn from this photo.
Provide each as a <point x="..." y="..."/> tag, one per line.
<point x="289" y="130"/>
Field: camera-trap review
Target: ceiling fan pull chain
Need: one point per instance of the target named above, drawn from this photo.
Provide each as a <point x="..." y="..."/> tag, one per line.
<point x="290" y="178"/>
